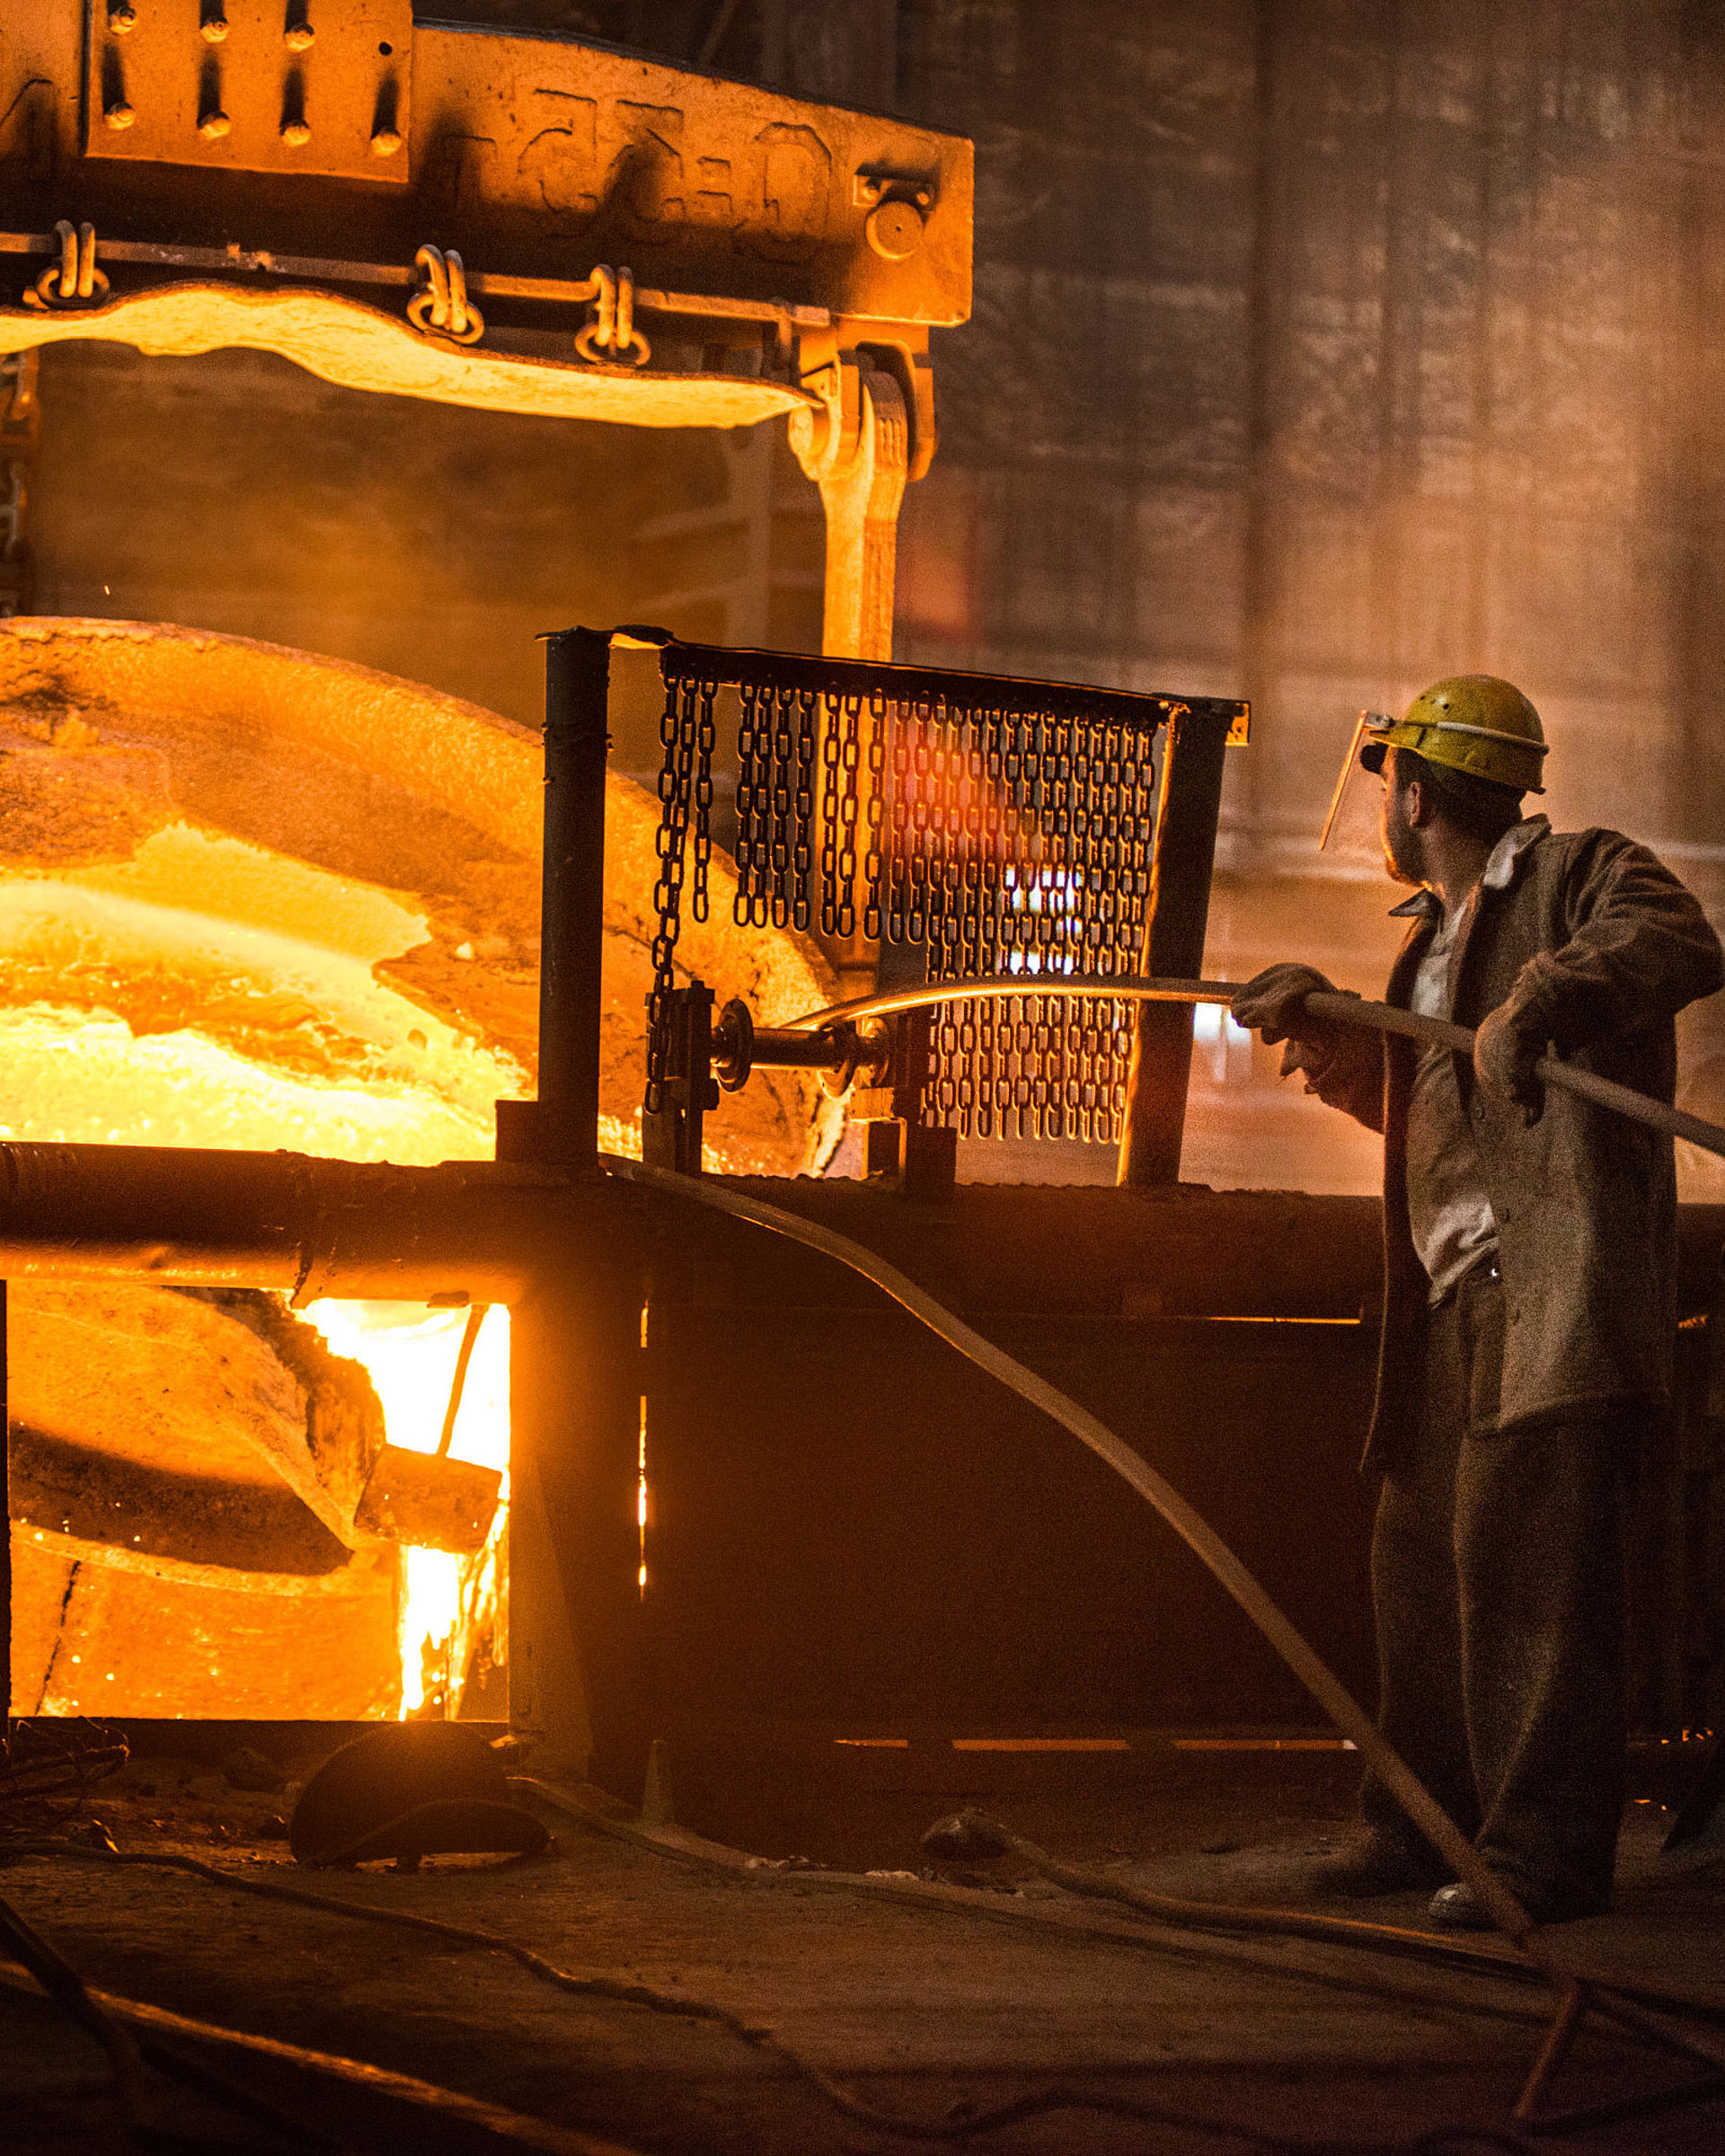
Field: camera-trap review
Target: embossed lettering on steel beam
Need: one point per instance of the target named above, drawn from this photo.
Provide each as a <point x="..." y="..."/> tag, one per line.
<point x="301" y="135"/>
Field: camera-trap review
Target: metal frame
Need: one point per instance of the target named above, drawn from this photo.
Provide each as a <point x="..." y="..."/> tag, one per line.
<point x="1198" y="730"/>
<point x="1147" y="711"/>
<point x="541" y="1228"/>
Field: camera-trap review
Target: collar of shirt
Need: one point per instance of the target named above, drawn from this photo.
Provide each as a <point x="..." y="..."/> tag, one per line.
<point x="1499" y="871"/>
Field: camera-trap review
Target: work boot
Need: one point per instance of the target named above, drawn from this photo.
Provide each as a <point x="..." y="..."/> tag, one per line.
<point x="1380" y="1864"/>
<point x="1459" y="1908"/>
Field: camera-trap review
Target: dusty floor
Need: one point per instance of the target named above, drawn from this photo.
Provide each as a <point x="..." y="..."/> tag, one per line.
<point x="966" y="1999"/>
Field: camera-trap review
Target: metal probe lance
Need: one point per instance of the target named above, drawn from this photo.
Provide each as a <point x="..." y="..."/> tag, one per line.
<point x="1345" y="1009"/>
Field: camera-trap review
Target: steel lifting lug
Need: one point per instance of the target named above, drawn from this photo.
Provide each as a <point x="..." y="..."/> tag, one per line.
<point x="672" y="1118"/>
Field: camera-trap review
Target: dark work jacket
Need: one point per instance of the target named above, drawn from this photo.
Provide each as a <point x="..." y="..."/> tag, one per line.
<point x="1596" y="946"/>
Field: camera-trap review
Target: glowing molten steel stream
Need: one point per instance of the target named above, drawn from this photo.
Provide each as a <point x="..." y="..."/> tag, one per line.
<point x="449" y="1602"/>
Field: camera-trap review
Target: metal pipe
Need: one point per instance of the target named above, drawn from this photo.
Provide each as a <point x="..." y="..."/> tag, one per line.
<point x="1130" y="987"/>
<point x="575" y="1612"/>
<point x="577" y="675"/>
<point x="785" y="1048"/>
<point x="840" y="1052"/>
<point x="185" y="1218"/>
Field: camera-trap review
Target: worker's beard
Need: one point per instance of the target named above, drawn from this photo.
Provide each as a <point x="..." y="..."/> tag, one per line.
<point x="1403" y="856"/>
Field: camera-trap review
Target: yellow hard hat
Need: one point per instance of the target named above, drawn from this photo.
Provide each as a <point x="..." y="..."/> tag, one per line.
<point x="1472" y="723"/>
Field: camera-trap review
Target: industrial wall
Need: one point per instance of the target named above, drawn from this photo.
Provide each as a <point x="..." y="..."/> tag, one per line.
<point x="1323" y="348"/>
<point x="1320" y="348"/>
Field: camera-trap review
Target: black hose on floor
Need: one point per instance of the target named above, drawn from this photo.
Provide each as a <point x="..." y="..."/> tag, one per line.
<point x="954" y="2128"/>
<point x="95" y="2013"/>
<point x="153" y="2024"/>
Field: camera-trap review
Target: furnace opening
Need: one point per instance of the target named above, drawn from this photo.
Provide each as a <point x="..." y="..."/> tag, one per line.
<point x="253" y="900"/>
<point x="453" y="1607"/>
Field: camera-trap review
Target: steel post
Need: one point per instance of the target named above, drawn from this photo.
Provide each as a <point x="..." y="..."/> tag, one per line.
<point x="577" y="674"/>
<point x="578" y="1610"/>
<point x="1187" y="808"/>
<point x="577" y="1680"/>
<point x="5" y="1510"/>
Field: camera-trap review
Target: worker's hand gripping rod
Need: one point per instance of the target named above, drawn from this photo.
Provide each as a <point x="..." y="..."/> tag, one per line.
<point x="1346" y="1010"/>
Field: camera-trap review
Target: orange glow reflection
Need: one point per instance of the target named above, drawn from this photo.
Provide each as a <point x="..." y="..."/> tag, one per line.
<point x="450" y="1603"/>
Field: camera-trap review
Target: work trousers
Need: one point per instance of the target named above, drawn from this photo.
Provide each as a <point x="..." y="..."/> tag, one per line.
<point x="1498" y="1577"/>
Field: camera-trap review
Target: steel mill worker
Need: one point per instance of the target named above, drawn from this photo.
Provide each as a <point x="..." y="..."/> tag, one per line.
<point x="1529" y="1295"/>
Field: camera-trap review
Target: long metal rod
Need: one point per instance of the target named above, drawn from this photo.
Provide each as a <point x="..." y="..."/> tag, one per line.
<point x="477" y="1313"/>
<point x="1345" y="1009"/>
<point x="789" y="1050"/>
<point x="1129" y="987"/>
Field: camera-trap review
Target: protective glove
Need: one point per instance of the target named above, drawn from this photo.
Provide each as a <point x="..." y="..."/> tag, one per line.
<point x="1272" y="1002"/>
<point x="1504" y="1055"/>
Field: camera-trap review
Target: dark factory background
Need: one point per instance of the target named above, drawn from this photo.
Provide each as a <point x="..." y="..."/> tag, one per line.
<point x="1320" y="348"/>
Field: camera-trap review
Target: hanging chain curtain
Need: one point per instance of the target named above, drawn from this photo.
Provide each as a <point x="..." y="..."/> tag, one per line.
<point x="1001" y="827"/>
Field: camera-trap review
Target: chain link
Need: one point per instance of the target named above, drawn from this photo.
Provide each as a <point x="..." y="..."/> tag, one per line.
<point x="875" y="813"/>
<point x="829" y="794"/>
<point x="779" y="773"/>
<point x="841" y="762"/>
<point x="752" y="904"/>
<point x="686" y="733"/>
<point x="850" y="766"/>
<point x="1002" y="838"/>
<point x="1039" y="865"/>
<point x="803" y="797"/>
<point x="706" y="733"/>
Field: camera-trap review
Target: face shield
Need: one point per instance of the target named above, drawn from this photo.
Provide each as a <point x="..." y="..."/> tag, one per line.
<point x="1475" y="725"/>
<point x="1368" y="722"/>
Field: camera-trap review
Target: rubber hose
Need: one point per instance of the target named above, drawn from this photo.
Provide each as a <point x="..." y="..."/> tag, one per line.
<point x="1339" y="1704"/>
